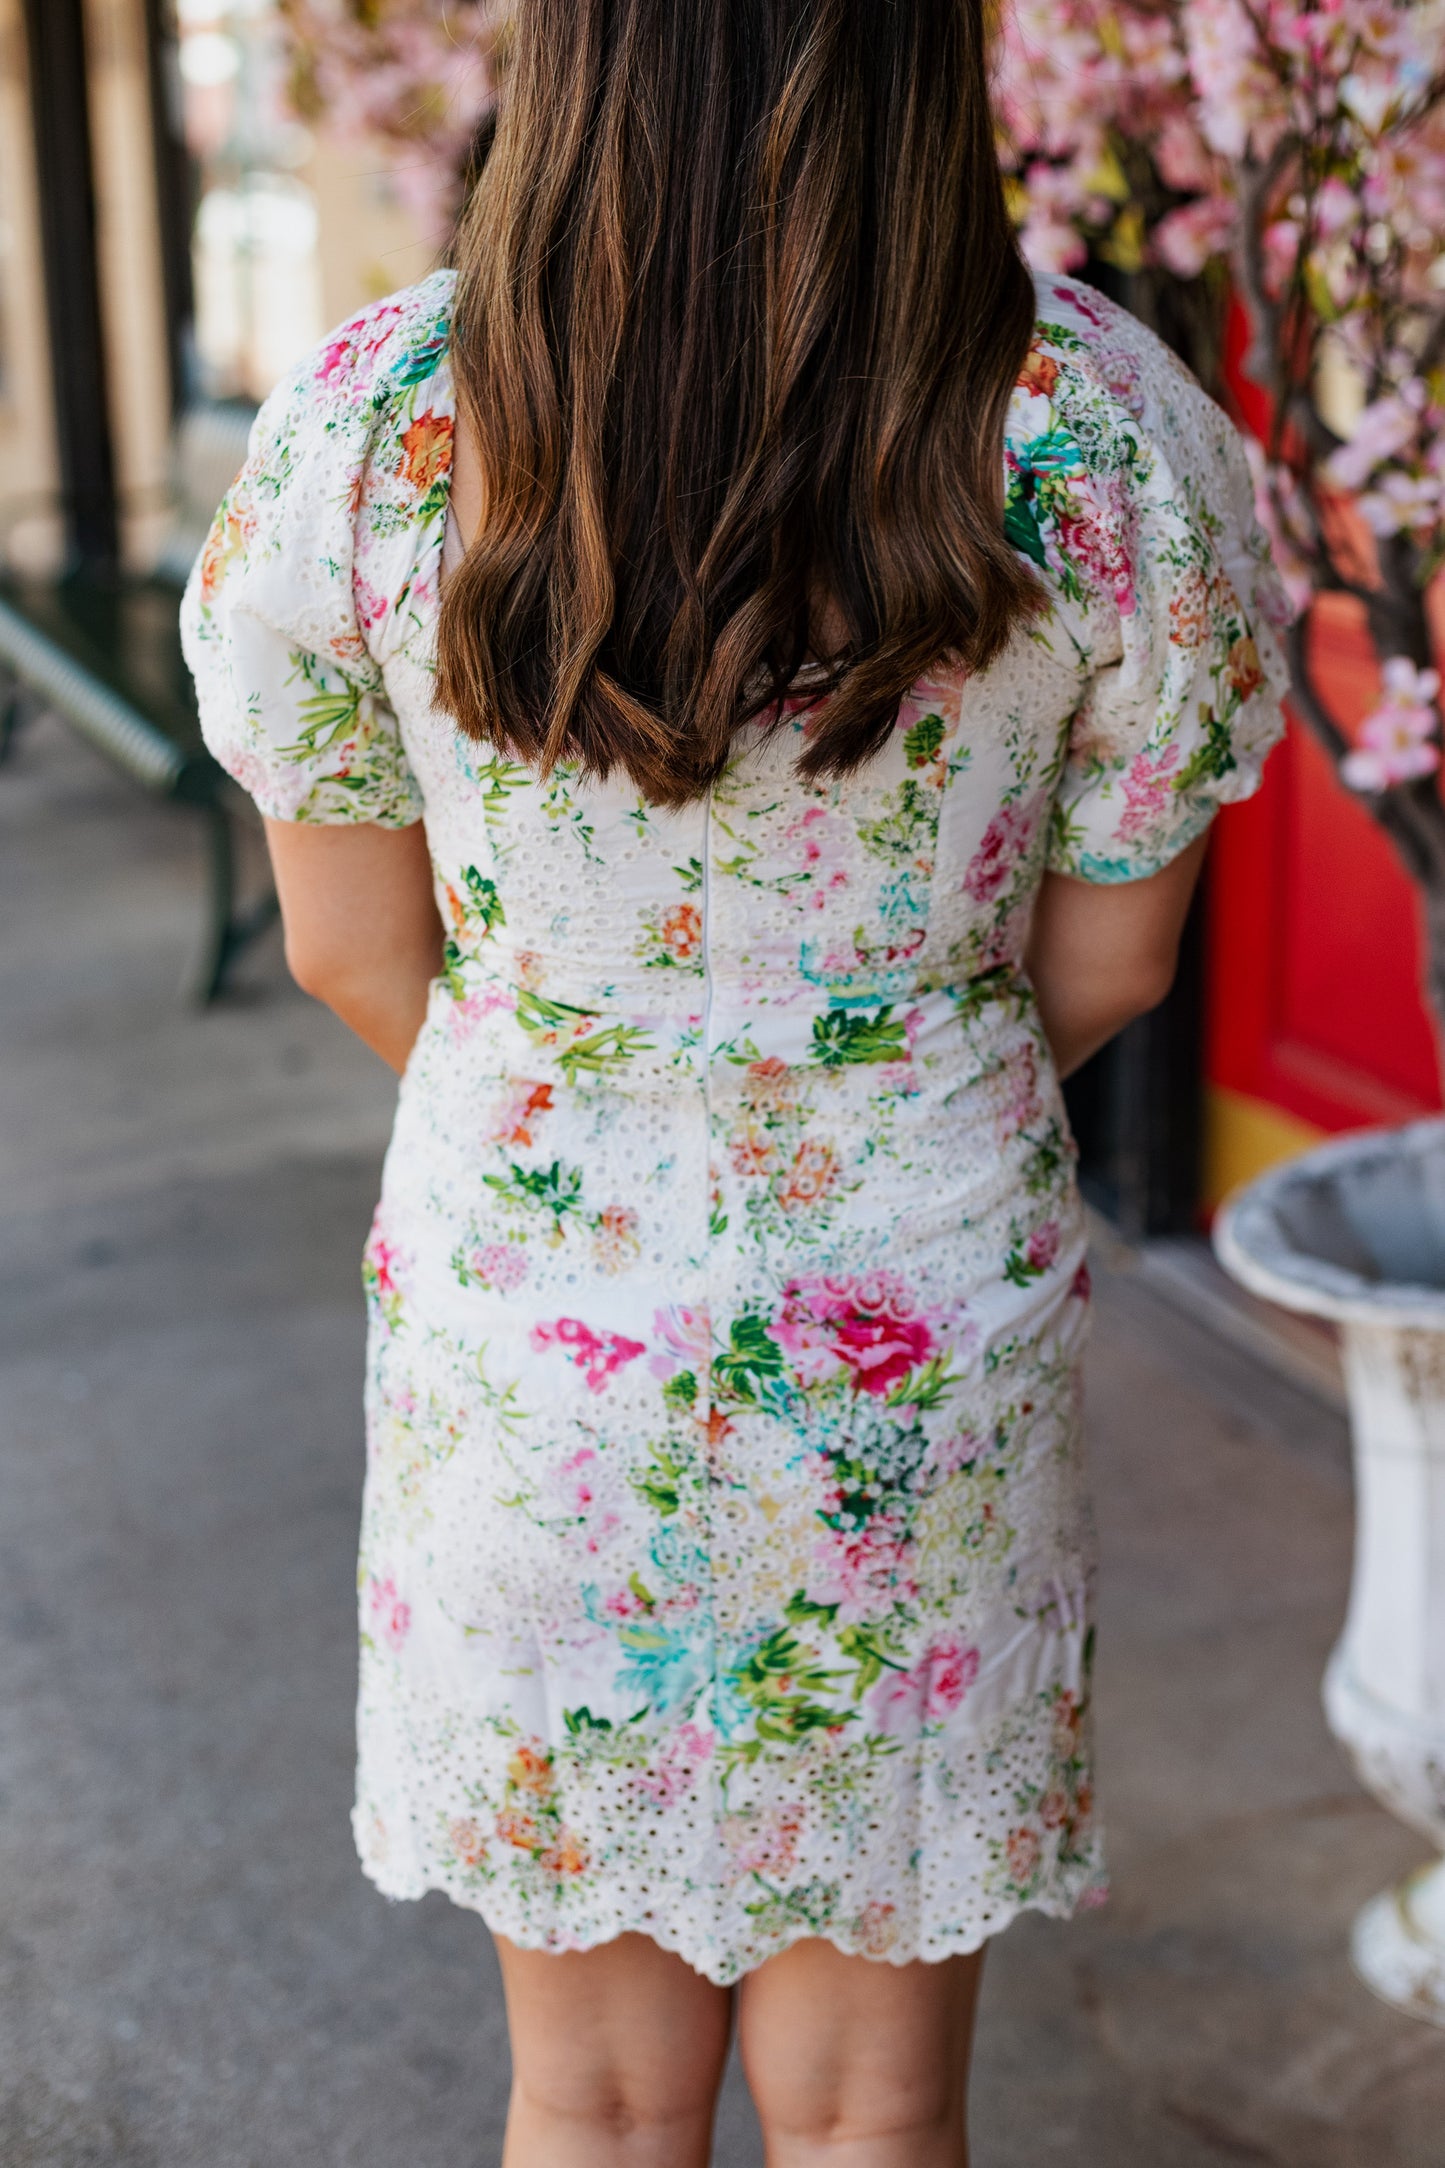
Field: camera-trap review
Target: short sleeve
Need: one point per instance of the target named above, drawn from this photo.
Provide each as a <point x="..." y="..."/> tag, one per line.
<point x="292" y="703"/>
<point x="1184" y="702"/>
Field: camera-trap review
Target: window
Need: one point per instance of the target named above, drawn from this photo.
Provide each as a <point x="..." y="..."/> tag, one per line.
<point x="254" y="246"/>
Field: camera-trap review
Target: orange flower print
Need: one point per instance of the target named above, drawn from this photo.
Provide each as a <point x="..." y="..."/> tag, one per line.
<point x="213" y="559"/>
<point x="1023" y="1852"/>
<point x="1067" y="1718"/>
<point x="1189" y="610"/>
<point x="1245" y="674"/>
<point x="516" y="1828"/>
<point x="1039" y="373"/>
<point x="529" y="1771"/>
<point x="771" y="1087"/>
<point x="617" y="1241"/>
<point x="514" y="1118"/>
<point x="750" y="1150"/>
<point x="682" y="932"/>
<point x="716" y="1427"/>
<point x="468" y="1842"/>
<point x="567" y="1856"/>
<point x="812" y="1174"/>
<point x="227" y="538"/>
<point x="1054" y="1809"/>
<point x="426" y="451"/>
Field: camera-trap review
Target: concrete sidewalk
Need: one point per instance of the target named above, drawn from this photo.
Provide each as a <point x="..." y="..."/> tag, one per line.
<point x="193" y="1973"/>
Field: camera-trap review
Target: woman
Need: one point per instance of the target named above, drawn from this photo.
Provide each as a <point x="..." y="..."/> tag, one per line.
<point x="799" y="663"/>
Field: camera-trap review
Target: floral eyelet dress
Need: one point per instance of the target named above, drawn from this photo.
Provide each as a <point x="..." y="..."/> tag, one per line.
<point x="726" y="1561"/>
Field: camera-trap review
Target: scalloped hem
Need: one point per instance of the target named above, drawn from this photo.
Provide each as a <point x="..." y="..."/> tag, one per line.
<point x="726" y="1970"/>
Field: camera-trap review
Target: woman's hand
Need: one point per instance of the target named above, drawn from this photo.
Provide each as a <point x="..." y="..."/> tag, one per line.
<point x="362" y="932"/>
<point x="1100" y="954"/>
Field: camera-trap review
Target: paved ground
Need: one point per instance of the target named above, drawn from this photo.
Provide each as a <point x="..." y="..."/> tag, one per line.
<point x="193" y="1973"/>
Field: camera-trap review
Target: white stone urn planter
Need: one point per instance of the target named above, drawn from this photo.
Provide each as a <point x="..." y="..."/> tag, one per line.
<point x="1355" y="1231"/>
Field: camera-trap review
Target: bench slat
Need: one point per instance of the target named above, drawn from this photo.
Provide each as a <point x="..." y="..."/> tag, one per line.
<point x="111" y="723"/>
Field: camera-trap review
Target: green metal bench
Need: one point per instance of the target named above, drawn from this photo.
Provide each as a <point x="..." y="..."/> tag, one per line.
<point x="104" y="654"/>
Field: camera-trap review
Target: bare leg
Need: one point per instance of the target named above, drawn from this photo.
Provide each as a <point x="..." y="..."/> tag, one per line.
<point x="858" y="2064"/>
<point x="617" y="2055"/>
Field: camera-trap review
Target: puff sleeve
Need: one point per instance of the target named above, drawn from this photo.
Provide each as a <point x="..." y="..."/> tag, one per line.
<point x="1183" y="703"/>
<point x="292" y="703"/>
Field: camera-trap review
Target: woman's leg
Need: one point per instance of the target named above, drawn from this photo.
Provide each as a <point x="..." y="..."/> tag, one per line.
<point x="617" y="2055"/>
<point x="858" y="2064"/>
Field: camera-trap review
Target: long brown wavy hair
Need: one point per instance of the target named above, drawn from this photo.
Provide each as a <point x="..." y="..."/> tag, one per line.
<point x="738" y="310"/>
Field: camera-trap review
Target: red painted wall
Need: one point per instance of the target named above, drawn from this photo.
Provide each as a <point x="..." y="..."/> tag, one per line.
<point x="1314" y="962"/>
<point x="1314" y="967"/>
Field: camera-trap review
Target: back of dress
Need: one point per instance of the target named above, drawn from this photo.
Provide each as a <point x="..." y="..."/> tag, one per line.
<point x="725" y="1566"/>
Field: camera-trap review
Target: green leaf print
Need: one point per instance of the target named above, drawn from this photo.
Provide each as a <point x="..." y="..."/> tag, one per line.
<point x="1001" y="983"/>
<point x="325" y="716"/>
<point x="680" y="1392"/>
<point x="840" y="1037"/>
<point x="580" y="1721"/>
<point x="1209" y="761"/>
<point x="536" y="1014"/>
<point x="1050" y="1153"/>
<point x="1019" y="1270"/>
<point x="1021" y="526"/>
<point x="858" y="1489"/>
<point x="781" y="1682"/>
<point x="815" y="1906"/>
<point x="605" y="1050"/>
<point x="660" y="1484"/>
<point x="416" y="365"/>
<point x="800" y="1610"/>
<point x="586" y="1053"/>
<point x="908" y="828"/>
<point x="927" y="1387"/>
<point x="556" y="1189"/>
<point x="1066" y="835"/>
<point x="498" y="779"/>
<point x="484" y="900"/>
<point x="922" y="740"/>
<point x="453" y="960"/>
<point x="863" y="1646"/>
<point x="751" y="1360"/>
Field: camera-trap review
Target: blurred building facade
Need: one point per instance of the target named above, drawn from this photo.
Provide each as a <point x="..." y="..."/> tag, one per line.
<point x="169" y="235"/>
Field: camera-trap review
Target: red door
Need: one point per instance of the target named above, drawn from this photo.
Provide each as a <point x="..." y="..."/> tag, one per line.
<point x="1315" y="1020"/>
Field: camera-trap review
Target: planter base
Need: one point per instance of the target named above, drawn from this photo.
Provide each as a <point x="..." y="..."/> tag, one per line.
<point x="1398" y="1945"/>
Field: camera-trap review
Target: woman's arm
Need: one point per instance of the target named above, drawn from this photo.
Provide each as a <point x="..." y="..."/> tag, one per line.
<point x="362" y="932"/>
<point x="1102" y="954"/>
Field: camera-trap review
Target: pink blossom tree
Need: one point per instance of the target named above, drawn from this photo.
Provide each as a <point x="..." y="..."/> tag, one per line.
<point x="1292" y="151"/>
<point x="415" y="75"/>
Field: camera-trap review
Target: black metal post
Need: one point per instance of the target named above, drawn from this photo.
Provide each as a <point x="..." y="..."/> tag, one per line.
<point x="55" y="44"/>
<point x="175" y="190"/>
<point x="1137" y="1108"/>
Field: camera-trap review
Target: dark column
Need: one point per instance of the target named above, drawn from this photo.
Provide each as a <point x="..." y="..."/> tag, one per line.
<point x="175" y="190"/>
<point x="1137" y="1108"/>
<point x="55" y="41"/>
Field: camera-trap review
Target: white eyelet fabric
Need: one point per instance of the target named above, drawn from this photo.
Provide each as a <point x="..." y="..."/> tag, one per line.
<point x="726" y="1561"/>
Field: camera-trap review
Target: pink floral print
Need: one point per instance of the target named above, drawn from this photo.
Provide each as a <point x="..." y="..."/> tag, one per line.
<point x="390" y="1614"/>
<point x="598" y="1355"/>
<point x="863" y="1328"/>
